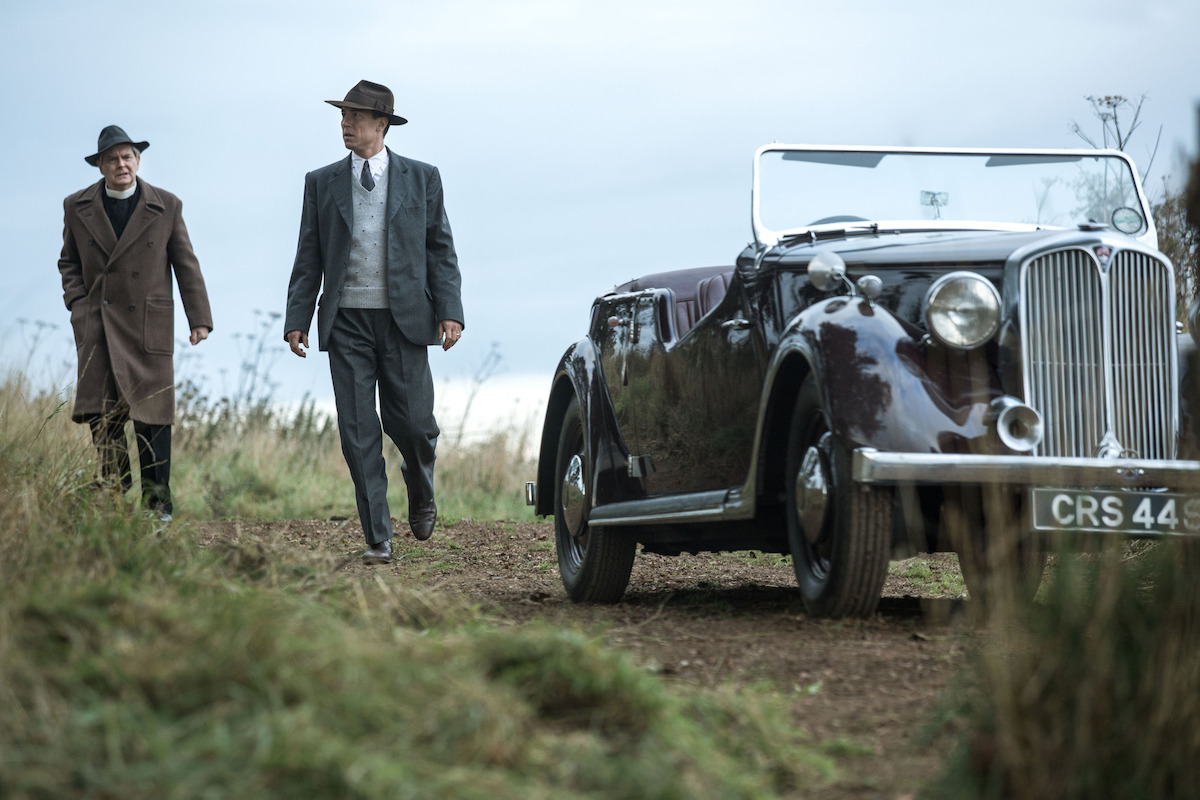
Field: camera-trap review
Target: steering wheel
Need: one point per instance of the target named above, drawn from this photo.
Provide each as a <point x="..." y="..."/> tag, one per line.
<point x="838" y="218"/>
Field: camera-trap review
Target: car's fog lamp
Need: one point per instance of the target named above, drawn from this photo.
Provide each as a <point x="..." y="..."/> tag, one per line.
<point x="962" y="310"/>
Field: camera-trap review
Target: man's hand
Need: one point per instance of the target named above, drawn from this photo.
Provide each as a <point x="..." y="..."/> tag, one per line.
<point x="450" y="332"/>
<point x="295" y="339"/>
<point x="198" y="336"/>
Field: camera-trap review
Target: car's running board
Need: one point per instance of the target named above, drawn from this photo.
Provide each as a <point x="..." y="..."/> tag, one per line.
<point x="720" y="505"/>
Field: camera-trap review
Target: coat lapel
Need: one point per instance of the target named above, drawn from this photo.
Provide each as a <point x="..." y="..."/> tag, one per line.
<point x="90" y="209"/>
<point x="339" y="190"/>
<point x="398" y="188"/>
<point x="148" y="211"/>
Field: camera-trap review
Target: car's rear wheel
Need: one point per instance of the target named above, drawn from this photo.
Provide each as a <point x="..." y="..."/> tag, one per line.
<point x="595" y="563"/>
<point x="839" y="533"/>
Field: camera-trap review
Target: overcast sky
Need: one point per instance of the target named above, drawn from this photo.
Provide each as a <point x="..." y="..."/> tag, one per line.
<point x="580" y="143"/>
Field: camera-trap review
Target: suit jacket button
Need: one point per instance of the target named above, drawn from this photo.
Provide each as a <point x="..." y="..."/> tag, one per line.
<point x="136" y="273"/>
<point x="132" y="307"/>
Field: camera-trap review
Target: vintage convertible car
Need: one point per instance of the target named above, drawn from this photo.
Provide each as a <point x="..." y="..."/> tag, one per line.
<point x="924" y="349"/>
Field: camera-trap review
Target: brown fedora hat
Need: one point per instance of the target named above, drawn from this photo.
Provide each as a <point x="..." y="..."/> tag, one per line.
<point x="112" y="136"/>
<point x="370" y="97"/>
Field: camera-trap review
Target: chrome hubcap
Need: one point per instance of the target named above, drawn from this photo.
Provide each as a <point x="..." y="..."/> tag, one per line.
<point x="812" y="494"/>
<point x="574" y="496"/>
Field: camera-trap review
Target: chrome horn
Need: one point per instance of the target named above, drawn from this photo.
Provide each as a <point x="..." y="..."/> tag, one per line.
<point x="1018" y="426"/>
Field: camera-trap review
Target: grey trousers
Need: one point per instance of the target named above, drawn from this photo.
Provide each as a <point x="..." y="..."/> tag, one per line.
<point x="367" y="350"/>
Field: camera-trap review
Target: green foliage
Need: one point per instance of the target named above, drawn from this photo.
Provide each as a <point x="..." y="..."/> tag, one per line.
<point x="1191" y="196"/>
<point x="1095" y="691"/>
<point x="934" y="574"/>
<point x="485" y="480"/>
<point x="766" y="559"/>
<point x="1119" y="118"/>
<point x="1179" y="242"/>
<point x="136" y="663"/>
<point x="255" y="461"/>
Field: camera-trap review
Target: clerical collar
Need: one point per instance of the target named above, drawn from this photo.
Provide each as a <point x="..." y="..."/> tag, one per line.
<point x="122" y="195"/>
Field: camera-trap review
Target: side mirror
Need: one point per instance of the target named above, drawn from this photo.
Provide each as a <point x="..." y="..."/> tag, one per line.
<point x="827" y="271"/>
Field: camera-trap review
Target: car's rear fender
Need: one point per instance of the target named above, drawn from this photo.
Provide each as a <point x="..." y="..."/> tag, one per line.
<point x="561" y="393"/>
<point x="578" y="375"/>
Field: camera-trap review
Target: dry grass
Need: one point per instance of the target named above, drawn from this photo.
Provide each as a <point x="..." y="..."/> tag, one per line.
<point x="136" y="664"/>
<point x="1093" y="690"/>
<point x="258" y="462"/>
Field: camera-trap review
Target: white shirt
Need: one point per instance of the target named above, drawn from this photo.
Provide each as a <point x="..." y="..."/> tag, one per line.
<point x="378" y="164"/>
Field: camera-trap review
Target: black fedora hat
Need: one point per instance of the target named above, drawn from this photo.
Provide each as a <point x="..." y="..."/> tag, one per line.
<point x="370" y="97"/>
<point x="110" y="137"/>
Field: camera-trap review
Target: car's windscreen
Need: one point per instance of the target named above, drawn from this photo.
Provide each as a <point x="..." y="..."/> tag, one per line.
<point x="798" y="189"/>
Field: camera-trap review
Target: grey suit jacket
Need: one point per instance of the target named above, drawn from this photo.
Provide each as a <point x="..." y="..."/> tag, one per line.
<point x="424" y="284"/>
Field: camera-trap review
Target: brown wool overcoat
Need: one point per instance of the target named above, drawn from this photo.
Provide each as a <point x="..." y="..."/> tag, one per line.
<point x="122" y="302"/>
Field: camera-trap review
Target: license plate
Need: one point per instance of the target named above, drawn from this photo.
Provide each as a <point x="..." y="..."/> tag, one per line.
<point x="1144" y="513"/>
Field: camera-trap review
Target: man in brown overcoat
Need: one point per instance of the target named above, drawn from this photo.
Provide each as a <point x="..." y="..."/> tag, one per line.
<point x="122" y="238"/>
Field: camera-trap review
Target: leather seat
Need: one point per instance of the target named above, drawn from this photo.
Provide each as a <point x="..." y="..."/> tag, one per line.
<point x="686" y="314"/>
<point x="710" y="292"/>
<point x="692" y="292"/>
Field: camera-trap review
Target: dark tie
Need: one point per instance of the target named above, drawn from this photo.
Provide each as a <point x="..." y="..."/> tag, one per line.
<point x="367" y="181"/>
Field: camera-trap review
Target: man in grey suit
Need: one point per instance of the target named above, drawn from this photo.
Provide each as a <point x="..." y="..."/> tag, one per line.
<point x="374" y="232"/>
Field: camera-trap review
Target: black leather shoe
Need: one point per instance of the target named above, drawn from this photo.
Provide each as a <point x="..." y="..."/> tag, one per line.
<point x="380" y="553"/>
<point x="421" y="519"/>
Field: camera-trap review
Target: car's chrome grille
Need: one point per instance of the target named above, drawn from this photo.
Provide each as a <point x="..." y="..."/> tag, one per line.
<point x="1099" y="353"/>
<point x="1142" y="307"/>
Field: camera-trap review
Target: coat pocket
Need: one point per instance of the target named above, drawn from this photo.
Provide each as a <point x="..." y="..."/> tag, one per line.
<point x="79" y="320"/>
<point x="158" y="334"/>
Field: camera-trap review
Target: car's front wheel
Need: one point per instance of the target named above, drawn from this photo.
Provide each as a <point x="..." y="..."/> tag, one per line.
<point x="595" y="563"/>
<point x="839" y="533"/>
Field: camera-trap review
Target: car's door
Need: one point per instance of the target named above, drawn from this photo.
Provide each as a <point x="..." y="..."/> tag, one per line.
<point x="619" y="331"/>
<point x="697" y="397"/>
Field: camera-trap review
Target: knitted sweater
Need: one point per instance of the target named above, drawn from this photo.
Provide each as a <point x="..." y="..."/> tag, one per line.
<point x="366" y="271"/>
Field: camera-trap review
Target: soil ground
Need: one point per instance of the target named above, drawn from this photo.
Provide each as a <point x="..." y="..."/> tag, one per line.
<point x="866" y="691"/>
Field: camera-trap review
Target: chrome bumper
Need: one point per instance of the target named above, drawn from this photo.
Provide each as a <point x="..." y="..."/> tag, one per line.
<point x="874" y="467"/>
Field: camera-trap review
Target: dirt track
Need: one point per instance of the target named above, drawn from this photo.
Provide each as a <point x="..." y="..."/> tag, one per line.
<point x="872" y="685"/>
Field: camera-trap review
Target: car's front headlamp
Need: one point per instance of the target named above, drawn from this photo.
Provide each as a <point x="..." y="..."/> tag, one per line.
<point x="962" y="310"/>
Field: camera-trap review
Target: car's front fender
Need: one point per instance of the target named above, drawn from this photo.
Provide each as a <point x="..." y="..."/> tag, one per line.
<point x="883" y="386"/>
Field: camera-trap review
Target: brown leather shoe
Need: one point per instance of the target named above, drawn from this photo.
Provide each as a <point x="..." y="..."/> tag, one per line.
<point x="421" y="519"/>
<point x="380" y="553"/>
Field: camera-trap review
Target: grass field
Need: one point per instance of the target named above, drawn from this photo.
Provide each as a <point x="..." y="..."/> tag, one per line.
<point x="135" y="663"/>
